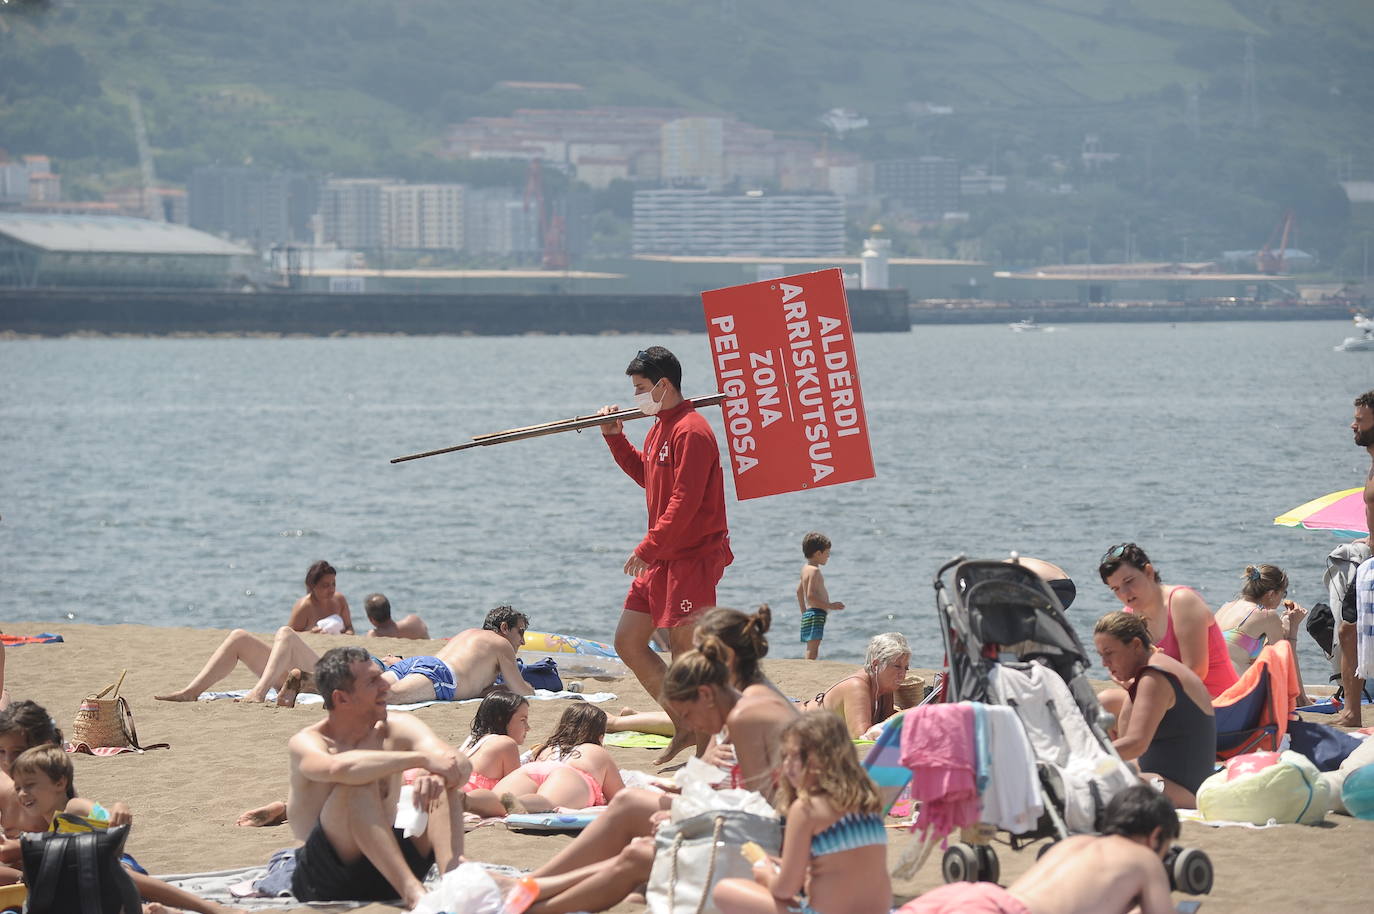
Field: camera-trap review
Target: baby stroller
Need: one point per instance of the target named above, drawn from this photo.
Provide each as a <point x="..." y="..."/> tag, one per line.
<point x="1008" y="642"/>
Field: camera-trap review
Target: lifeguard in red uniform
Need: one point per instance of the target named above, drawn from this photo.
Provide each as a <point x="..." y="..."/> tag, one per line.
<point x="679" y="562"/>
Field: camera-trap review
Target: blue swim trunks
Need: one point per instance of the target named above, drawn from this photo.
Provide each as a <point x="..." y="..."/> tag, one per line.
<point x="813" y="625"/>
<point x="433" y="669"/>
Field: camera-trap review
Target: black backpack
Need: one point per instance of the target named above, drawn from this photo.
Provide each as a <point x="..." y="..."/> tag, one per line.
<point x="78" y="873"/>
<point x="1321" y="625"/>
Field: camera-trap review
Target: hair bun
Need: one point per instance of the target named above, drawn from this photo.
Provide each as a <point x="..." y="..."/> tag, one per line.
<point x="763" y="618"/>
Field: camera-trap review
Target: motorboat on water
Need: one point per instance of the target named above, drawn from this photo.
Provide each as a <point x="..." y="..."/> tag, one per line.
<point x="1025" y="326"/>
<point x="1362" y="343"/>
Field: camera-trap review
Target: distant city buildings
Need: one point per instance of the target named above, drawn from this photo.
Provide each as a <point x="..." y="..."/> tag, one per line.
<point x="351" y="211"/>
<point x="28" y="180"/>
<point x="699" y="223"/>
<point x="926" y="186"/>
<point x="497" y="223"/>
<point x="423" y="217"/>
<point x="254" y="205"/>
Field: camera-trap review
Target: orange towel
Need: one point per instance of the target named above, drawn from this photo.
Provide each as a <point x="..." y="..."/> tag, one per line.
<point x="1275" y="662"/>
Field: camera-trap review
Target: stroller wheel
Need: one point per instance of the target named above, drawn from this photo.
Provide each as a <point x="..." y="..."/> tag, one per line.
<point x="989" y="870"/>
<point x="1192" y="871"/>
<point x="960" y="864"/>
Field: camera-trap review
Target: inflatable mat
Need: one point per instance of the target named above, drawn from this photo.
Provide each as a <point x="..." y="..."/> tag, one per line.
<point x="549" y="821"/>
<point x="550" y="643"/>
<point x="16" y="640"/>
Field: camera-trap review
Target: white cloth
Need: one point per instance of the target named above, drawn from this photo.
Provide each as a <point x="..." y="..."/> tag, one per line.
<point x="1364" y="623"/>
<point x="1012" y="798"/>
<point x="331" y="625"/>
<point x="1061" y="738"/>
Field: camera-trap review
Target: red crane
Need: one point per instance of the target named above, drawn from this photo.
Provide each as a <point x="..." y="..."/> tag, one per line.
<point x="551" y="233"/>
<point x="1269" y="260"/>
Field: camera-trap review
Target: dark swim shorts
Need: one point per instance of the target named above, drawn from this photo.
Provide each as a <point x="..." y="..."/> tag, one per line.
<point x="321" y="876"/>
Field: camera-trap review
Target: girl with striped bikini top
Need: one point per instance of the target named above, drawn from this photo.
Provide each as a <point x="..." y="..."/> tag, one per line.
<point x="1260" y="615"/>
<point x="834" y="845"/>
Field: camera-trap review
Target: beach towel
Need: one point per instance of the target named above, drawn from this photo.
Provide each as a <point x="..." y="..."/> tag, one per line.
<point x="633" y="739"/>
<point x="223" y="886"/>
<point x="937" y="746"/>
<point x="309" y="698"/>
<point x="85" y="748"/>
<point x="1364" y="620"/>
<point x="1012" y="799"/>
<point x="17" y="640"/>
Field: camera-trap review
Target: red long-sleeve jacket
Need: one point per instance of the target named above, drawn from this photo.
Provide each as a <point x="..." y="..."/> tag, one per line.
<point x="684" y="486"/>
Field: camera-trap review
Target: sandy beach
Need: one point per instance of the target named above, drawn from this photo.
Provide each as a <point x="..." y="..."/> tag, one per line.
<point x="225" y="758"/>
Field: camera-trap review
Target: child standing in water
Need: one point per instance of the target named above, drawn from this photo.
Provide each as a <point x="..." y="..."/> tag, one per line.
<point x="812" y="598"/>
<point x="834" y="846"/>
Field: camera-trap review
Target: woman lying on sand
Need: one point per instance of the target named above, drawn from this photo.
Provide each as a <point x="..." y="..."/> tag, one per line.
<point x="571" y="770"/>
<point x="865" y="698"/>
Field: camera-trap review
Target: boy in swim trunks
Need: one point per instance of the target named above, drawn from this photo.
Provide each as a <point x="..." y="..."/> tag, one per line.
<point x="679" y="562"/>
<point x="1084" y="874"/>
<point x="466" y="666"/>
<point x="812" y="598"/>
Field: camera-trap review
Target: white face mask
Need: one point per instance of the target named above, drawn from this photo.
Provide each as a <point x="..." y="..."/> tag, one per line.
<point x="646" y="403"/>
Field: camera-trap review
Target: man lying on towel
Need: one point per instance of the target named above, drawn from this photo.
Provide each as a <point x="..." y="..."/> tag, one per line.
<point x="345" y="780"/>
<point x="1084" y="874"/>
<point x="467" y="665"/>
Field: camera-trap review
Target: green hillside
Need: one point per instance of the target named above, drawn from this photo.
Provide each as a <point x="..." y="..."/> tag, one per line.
<point x="359" y="87"/>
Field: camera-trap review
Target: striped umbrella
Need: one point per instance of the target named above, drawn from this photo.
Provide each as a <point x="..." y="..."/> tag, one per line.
<point x="1340" y="512"/>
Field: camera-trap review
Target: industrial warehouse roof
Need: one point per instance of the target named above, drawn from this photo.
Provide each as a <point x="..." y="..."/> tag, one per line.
<point x="110" y="235"/>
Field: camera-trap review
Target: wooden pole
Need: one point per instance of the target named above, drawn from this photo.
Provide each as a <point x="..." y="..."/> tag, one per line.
<point x="577" y="423"/>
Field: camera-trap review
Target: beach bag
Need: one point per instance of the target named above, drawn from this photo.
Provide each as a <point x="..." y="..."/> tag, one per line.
<point x="1321" y="625"/>
<point x="1324" y="746"/>
<point x="1261" y="786"/>
<point x="541" y="675"/>
<point x="107" y="722"/>
<point x="691" y="856"/>
<point x="78" y="873"/>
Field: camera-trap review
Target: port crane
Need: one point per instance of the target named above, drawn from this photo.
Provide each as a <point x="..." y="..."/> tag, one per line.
<point x="1270" y="261"/>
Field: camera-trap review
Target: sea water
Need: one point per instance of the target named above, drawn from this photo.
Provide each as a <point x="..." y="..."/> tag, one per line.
<point x="193" y="481"/>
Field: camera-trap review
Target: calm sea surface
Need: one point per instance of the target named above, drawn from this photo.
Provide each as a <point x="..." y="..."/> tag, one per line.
<point x="193" y="481"/>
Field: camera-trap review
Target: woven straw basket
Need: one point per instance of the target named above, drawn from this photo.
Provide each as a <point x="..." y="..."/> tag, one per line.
<point x="911" y="691"/>
<point x="105" y="722"/>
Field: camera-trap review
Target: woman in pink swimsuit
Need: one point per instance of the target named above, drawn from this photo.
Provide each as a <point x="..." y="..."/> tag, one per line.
<point x="572" y="770"/>
<point x="1179" y="620"/>
<point x="499" y="729"/>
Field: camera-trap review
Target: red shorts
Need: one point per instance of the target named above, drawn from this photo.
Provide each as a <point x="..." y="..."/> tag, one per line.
<point x="675" y="592"/>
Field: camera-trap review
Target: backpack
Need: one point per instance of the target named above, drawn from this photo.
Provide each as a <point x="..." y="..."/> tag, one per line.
<point x="1321" y="625"/>
<point x="78" y="873"/>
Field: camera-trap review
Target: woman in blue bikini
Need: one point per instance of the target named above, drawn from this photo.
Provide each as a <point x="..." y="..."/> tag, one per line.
<point x="834" y="845"/>
<point x="1261" y="614"/>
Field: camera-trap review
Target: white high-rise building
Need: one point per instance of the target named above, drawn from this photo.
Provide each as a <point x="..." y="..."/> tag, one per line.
<point x="498" y="223"/>
<point x="423" y="216"/>
<point x="692" y="151"/>
<point x="698" y="223"/>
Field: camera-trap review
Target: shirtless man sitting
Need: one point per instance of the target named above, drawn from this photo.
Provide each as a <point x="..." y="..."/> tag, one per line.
<point x="1084" y="874"/>
<point x="466" y="666"/>
<point x="314" y="612"/>
<point x="383" y="626"/>
<point x="345" y="777"/>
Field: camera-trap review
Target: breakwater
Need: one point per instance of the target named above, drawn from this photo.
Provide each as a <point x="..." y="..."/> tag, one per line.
<point x="58" y="312"/>
<point x="1126" y="312"/>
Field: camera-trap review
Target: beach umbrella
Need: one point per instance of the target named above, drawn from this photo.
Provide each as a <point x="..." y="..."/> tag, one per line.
<point x="1340" y="512"/>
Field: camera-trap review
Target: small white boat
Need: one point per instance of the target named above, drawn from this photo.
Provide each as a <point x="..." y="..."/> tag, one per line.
<point x="1025" y="326"/>
<point x="1357" y="343"/>
<point x="1364" y="323"/>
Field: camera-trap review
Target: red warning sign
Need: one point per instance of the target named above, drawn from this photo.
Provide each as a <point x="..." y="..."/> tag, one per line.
<point x="783" y="352"/>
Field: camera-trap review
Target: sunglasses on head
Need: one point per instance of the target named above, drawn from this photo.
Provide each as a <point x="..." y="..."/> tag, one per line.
<point x="1114" y="553"/>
